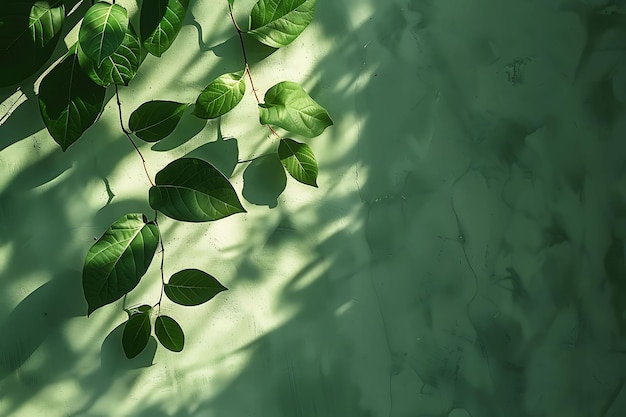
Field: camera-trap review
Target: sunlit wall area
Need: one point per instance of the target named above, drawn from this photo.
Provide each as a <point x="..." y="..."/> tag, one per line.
<point x="462" y="254"/>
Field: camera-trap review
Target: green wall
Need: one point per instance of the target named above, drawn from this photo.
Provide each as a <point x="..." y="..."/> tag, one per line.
<point x="462" y="256"/>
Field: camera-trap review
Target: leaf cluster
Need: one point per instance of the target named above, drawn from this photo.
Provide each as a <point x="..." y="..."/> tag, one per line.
<point x="109" y="53"/>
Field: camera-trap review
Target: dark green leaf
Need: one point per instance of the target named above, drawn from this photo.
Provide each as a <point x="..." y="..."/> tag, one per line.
<point x="299" y="161"/>
<point x="136" y="334"/>
<point x="169" y="333"/>
<point x="103" y="30"/>
<point x="117" y="261"/>
<point x="220" y="96"/>
<point x="193" y="190"/>
<point x="160" y="22"/>
<point x="231" y="2"/>
<point x="69" y="101"/>
<point x="287" y="105"/>
<point x="118" y="68"/>
<point x="277" y="23"/>
<point x="192" y="287"/>
<point x="154" y="120"/>
<point x="29" y="32"/>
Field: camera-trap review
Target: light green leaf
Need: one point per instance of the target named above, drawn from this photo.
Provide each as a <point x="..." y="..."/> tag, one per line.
<point x="69" y="101"/>
<point x="299" y="161"/>
<point x="117" y="261"/>
<point x="29" y="32"/>
<point x="160" y="22"/>
<point x="169" y="333"/>
<point x="220" y="96"/>
<point x="287" y="105"/>
<point x="193" y="190"/>
<point x="154" y="120"/>
<point x="103" y="30"/>
<point x="192" y="287"/>
<point x="45" y="21"/>
<point x="120" y="67"/>
<point x="277" y="23"/>
<point x="136" y="334"/>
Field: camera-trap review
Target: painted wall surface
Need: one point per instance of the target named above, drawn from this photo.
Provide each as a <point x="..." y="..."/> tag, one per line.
<point x="462" y="256"/>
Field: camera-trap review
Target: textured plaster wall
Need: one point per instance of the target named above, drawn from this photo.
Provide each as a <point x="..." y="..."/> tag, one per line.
<point x="463" y="255"/>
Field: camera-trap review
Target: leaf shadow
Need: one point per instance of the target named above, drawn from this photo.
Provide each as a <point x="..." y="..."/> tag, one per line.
<point x="264" y="180"/>
<point x="222" y="153"/>
<point x="35" y="319"/>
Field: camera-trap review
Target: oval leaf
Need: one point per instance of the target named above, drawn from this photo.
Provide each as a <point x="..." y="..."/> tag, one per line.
<point x="160" y="22"/>
<point x="103" y="30"/>
<point x="169" y="333"/>
<point x="192" y="287"/>
<point x="220" y="96"/>
<point x="299" y="161"/>
<point x="120" y="67"/>
<point x="69" y="101"/>
<point x="287" y="105"/>
<point x="277" y="23"/>
<point x="117" y="261"/>
<point x="154" y="120"/>
<point x="29" y="32"/>
<point x="136" y="334"/>
<point x="193" y="190"/>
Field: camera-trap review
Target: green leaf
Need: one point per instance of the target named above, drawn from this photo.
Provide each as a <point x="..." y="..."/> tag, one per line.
<point x="120" y="67"/>
<point x="220" y="96"/>
<point x="299" y="161"/>
<point x="193" y="190"/>
<point x="154" y="120"/>
<point x="287" y="105"/>
<point x="117" y="261"/>
<point x="277" y="23"/>
<point x="169" y="333"/>
<point x="231" y="2"/>
<point x="29" y="32"/>
<point x="136" y="334"/>
<point x="69" y="101"/>
<point x="192" y="287"/>
<point x="160" y="22"/>
<point x="103" y="30"/>
<point x="45" y="21"/>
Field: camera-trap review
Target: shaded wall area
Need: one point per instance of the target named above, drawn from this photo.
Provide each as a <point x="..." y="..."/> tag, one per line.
<point x="463" y="255"/>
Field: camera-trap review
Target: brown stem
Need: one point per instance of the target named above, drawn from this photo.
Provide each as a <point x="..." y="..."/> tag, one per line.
<point x="245" y="61"/>
<point x="127" y="133"/>
<point x="145" y="168"/>
<point x="162" y="262"/>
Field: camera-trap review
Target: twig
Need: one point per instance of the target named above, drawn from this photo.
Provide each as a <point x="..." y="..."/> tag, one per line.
<point x="145" y="168"/>
<point x="127" y="133"/>
<point x="162" y="262"/>
<point x="245" y="61"/>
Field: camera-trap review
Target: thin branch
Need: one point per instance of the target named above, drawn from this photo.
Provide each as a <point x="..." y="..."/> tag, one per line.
<point x="145" y="168"/>
<point x="127" y="133"/>
<point x="245" y="61"/>
<point x="162" y="262"/>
